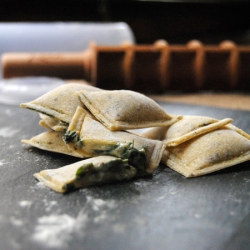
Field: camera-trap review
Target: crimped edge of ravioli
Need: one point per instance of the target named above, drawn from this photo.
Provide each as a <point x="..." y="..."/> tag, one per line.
<point x="56" y="114"/>
<point x="43" y="124"/>
<point x="39" y="142"/>
<point x="238" y="130"/>
<point x="156" y="156"/>
<point x="177" y="164"/>
<point x="118" y="125"/>
<point x="113" y="125"/>
<point x="53" y="185"/>
<point x="199" y="131"/>
<point x="52" y="124"/>
<point x="57" y="128"/>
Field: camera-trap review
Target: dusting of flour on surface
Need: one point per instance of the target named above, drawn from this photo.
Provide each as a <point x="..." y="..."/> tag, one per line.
<point x="57" y="230"/>
<point x="7" y="132"/>
<point x="49" y="205"/>
<point x="8" y="112"/>
<point x="16" y="222"/>
<point x="25" y="203"/>
<point x="40" y="185"/>
<point x="54" y="230"/>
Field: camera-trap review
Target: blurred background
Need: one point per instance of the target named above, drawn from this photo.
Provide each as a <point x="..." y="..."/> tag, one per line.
<point x="176" y="21"/>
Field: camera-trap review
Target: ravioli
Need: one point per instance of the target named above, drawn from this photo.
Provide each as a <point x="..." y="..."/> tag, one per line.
<point x="94" y="171"/>
<point x="61" y="102"/>
<point x="51" y="141"/>
<point x="125" y="109"/>
<point x="77" y="121"/>
<point x="52" y="124"/>
<point x="208" y="153"/>
<point x="87" y="122"/>
<point x="185" y="129"/>
<point x="94" y="136"/>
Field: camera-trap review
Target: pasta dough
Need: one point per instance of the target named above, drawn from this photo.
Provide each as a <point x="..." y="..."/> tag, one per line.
<point x="85" y="173"/>
<point x="94" y="133"/>
<point x="185" y="129"/>
<point x="61" y="102"/>
<point x="125" y="109"/>
<point x="207" y="153"/>
<point x="51" y="141"/>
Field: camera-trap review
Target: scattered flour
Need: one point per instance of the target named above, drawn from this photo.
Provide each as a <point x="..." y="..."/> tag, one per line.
<point x="56" y="230"/>
<point x="49" y="205"/>
<point x="98" y="204"/>
<point x="8" y="112"/>
<point x="1" y="163"/>
<point x="119" y="228"/>
<point x="232" y="213"/>
<point x="7" y="132"/>
<point x="197" y="216"/>
<point x="16" y="222"/>
<point x="246" y="180"/>
<point x="40" y="185"/>
<point x="163" y="197"/>
<point x="25" y="204"/>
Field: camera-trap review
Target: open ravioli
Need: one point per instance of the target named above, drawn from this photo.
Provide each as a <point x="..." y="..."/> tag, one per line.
<point x="125" y="109"/>
<point x="209" y="152"/>
<point x="94" y="171"/>
<point x="51" y="141"/>
<point x="61" y="102"/>
<point x="185" y="129"/>
<point x="96" y="139"/>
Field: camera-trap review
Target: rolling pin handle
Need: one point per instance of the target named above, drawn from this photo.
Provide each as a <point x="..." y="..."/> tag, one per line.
<point x="61" y="65"/>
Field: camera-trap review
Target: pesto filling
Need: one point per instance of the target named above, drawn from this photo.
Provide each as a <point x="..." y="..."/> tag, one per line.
<point x="124" y="150"/>
<point x="113" y="166"/>
<point x="90" y="174"/>
<point x="71" y="136"/>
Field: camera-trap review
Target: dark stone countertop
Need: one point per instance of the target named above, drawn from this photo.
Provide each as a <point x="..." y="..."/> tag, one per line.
<point x="167" y="211"/>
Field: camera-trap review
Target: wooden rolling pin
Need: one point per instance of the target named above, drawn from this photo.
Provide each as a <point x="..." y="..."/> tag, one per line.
<point x="146" y="68"/>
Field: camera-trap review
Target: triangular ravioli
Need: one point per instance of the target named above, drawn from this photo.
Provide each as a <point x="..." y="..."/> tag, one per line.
<point x="125" y="109"/>
<point x="61" y="102"/>
<point x="209" y="152"/>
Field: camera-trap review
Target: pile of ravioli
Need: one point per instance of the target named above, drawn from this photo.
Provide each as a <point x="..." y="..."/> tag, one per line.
<point x="101" y="127"/>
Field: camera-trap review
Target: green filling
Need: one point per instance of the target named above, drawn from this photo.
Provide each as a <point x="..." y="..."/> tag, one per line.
<point x="90" y="174"/>
<point x="84" y="169"/>
<point x="70" y="136"/>
<point x="69" y="187"/>
<point x="113" y="166"/>
<point x="73" y="137"/>
<point x="136" y="158"/>
<point x="124" y="150"/>
<point x="119" y="150"/>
